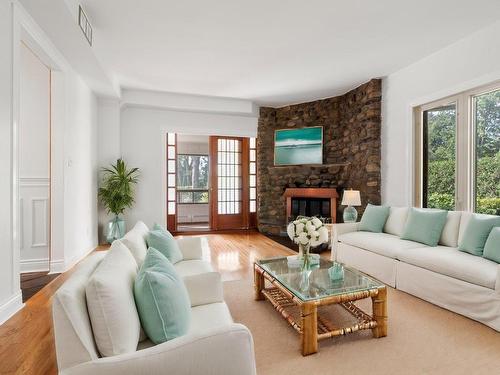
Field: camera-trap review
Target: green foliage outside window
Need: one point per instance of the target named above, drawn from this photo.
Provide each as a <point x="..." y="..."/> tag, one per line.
<point x="441" y="156"/>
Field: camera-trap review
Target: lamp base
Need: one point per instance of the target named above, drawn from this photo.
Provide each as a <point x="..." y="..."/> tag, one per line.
<point x="350" y="214"/>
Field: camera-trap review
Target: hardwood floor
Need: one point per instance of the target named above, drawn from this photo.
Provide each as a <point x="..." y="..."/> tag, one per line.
<point x="33" y="282"/>
<point x="26" y="340"/>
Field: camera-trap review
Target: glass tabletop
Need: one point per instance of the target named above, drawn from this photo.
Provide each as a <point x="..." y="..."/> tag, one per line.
<point x="320" y="280"/>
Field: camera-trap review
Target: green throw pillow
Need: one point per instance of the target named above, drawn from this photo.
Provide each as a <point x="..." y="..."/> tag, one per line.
<point x="425" y="226"/>
<point x="492" y="246"/>
<point x="163" y="241"/>
<point x="476" y="233"/>
<point x="374" y="218"/>
<point x="161" y="298"/>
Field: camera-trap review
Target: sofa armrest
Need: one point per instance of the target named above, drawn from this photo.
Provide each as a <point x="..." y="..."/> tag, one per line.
<point x="337" y="230"/>
<point x="192" y="247"/>
<point x="204" y="288"/>
<point x="223" y="350"/>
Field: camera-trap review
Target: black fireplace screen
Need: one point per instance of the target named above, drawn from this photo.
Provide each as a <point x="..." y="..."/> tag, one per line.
<point x="319" y="207"/>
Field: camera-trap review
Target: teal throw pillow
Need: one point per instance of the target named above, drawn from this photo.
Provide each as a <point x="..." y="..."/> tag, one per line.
<point x="492" y="246"/>
<point x="163" y="241"/>
<point x="374" y="218"/>
<point x="425" y="225"/>
<point x="477" y="232"/>
<point x="161" y="298"/>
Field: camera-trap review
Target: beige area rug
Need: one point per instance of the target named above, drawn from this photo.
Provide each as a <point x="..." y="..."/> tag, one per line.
<point x="422" y="339"/>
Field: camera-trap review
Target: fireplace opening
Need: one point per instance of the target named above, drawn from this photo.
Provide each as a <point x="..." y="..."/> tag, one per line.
<point x="319" y="207"/>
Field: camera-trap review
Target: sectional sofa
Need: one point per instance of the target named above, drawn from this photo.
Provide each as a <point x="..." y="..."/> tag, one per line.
<point x="213" y="337"/>
<point x="443" y="275"/>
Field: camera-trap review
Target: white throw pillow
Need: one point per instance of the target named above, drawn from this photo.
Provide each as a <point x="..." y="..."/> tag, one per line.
<point x="449" y="236"/>
<point x="135" y="241"/>
<point x="111" y="305"/>
<point x="396" y="221"/>
<point x="464" y="221"/>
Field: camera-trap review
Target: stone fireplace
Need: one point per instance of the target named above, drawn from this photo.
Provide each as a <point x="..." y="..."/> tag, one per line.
<point x="351" y="154"/>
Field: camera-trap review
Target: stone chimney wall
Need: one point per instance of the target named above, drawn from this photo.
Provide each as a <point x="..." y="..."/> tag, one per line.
<point x="351" y="151"/>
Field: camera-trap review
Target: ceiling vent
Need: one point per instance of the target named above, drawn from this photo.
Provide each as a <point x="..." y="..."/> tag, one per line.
<point x="85" y="25"/>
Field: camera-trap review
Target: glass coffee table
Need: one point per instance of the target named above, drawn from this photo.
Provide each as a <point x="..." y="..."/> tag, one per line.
<point x="297" y="294"/>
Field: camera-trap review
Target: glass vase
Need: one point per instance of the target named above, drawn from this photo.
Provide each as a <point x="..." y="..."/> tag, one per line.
<point x="304" y="255"/>
<point x="116" y="229"/>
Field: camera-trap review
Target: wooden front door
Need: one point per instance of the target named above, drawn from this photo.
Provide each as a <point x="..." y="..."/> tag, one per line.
<point x="229" y="192"/>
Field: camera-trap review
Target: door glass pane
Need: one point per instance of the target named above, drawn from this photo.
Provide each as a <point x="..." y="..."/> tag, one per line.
<point x="171" y="152"/>
<point x="487" y="158"/>
<point x="439" y="168"/>
<point x="229" y="179"/>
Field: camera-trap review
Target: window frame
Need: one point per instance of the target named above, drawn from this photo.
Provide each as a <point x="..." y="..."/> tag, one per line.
<point x="465" y="146"/>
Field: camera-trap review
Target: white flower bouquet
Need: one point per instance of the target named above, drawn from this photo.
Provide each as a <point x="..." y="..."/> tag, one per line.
<point x="307" y="232"/>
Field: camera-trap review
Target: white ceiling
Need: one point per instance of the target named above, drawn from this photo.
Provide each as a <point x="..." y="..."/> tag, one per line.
<point x="273" y="52"/>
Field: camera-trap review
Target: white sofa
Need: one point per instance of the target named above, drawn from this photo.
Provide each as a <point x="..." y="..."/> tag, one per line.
<point x="213" y="345"/>
<point x="443" y="275"/>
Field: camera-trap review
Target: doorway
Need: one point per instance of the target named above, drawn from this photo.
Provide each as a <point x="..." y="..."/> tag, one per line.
<point x="211" y="183"/>
<point x="34" y="170"/>
<point x="193" y="177"/>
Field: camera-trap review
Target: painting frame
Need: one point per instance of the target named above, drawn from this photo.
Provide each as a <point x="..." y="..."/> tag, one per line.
<point x="318" y="146"/>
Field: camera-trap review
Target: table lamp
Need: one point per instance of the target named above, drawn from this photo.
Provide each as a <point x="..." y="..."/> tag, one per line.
<point x="350" y="199"/>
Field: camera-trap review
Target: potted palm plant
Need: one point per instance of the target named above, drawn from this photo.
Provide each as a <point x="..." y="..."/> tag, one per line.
<point x="117" y="194"/>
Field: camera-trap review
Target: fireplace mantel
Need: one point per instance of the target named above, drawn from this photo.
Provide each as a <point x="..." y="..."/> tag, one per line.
<point x="326" y="193"/>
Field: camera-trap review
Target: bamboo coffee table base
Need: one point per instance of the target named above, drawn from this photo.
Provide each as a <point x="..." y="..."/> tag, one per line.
<point x="311" y="326"/>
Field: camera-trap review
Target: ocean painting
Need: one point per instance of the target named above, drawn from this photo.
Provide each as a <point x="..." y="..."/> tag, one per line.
<point x="298" y="146"/>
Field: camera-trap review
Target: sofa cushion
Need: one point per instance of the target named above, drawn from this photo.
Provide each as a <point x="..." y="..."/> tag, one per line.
<point x="192" y="267"/>
<point x="449" y="236"/>
<point x="424" y="225"/>
<point x="374" y="218"/>
<point x="396" y="221"/>
<point x="453" y="263"/>
<point x="135" y="240"/>
<point x="163" y="241"/>
<point x="162" y="299"/>
<point x="209" y="316"/>
<point x="110" y="302"/>
<point x="477" y="232"/>
<point x="380" y="243"/>
<point x="492" y="246"/>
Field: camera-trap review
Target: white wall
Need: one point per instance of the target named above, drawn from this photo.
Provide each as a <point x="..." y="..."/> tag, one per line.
<point x="10" y="294"/>
<point x="80" y="171"/>
<point x="142" y="136"/>
<point x="34" y="124"/>
<point x="74" y="156"/>
<point x="108" y="130"/>
<point x="468" y="63"/>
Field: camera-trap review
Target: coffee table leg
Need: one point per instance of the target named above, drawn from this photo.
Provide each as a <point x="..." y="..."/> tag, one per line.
<point x="258" y="284"/>
<point x="309" y="335"/>
<point x="379" y="304"/>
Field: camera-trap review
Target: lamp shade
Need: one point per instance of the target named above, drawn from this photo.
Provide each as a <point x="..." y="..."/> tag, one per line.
<point x="351" y="198"/>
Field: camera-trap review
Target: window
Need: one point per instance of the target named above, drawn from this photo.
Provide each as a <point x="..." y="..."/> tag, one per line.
<point x="439" y="157"/>
<point x="486" y="115"/>
<point x="171" y="152"/>
<point x="457" y="153"/>
<point x="192" y="179"/>
<point x="253" y="175"/>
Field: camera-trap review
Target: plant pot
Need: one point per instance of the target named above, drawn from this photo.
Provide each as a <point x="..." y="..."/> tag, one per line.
<point x="116" y="229"/>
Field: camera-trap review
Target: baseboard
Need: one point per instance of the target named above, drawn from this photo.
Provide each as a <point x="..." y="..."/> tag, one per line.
<point x="34" y="265"/>
<point x="11" y="306"/>
<point x="57" y="266"/>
